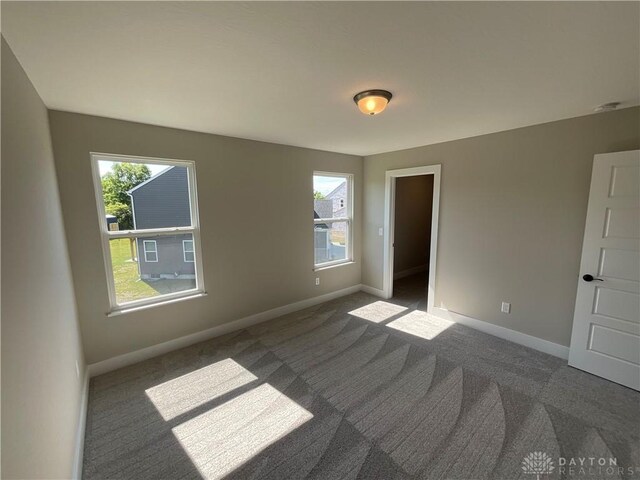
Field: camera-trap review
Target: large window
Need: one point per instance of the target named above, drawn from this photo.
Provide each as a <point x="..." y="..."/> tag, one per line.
<point x="149" y="224"/>
<point x="332" y="217"/>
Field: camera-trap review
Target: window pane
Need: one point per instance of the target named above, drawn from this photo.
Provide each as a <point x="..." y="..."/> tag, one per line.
<point x="330" y="196"/>
<point x="330" y="242"/>
<point x="138" y="276"/>
<point x="144" y="195"/>
<point x="150" y="246"/>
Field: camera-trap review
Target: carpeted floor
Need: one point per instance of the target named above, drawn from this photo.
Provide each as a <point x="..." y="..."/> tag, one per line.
<point x="357" y="388"/>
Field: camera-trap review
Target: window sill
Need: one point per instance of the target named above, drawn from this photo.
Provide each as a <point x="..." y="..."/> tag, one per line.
<point x="136" y="308"/>
<point x="333" y="265"/>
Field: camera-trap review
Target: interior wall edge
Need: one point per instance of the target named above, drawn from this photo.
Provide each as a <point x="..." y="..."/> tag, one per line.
<point x="43" y="363"/>
<point x="82" y="423"/>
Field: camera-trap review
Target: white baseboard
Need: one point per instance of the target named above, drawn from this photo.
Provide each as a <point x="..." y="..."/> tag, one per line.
<point x="372" y="291"/>
<point x="82" y="422"/>
<point x="410" y="271"/>
<point x="149" y="352"/>
<point x="130" y="358"/>
<point x="514" y="336"/>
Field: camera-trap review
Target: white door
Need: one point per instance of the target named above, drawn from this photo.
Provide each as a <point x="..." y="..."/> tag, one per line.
<point x="606" y="325"/>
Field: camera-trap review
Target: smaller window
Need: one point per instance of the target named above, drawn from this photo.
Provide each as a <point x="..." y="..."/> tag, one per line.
<point x="150" y="250"/>
<point x="332" y="218"/>
<point x="188" y="251"/>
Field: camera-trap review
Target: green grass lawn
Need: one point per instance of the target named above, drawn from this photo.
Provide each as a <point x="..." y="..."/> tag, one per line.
<point x="129" y="286"/>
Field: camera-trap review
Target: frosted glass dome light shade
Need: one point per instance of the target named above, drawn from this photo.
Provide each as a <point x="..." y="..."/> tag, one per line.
<point x="372" y="102"/>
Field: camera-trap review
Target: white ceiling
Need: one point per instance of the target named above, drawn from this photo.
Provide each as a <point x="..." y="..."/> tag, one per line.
<point x="286" y="72"/>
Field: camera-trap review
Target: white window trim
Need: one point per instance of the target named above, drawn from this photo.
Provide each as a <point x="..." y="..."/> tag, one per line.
<point x="144" y="247"/>
<point x="108" y="235"/>
<point x="348" y="219"/>
<point x="185" y="251"/>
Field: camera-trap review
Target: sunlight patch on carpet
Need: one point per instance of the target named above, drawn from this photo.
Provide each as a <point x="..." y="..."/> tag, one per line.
<point x="421" y="325"/>
<point x="377" y="312"/>
<point x="182" y="394"/>
<point x="226" y="437"/>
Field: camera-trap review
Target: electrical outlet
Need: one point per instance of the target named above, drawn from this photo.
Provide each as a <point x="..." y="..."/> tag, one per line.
<point x="380" y="231"/>
<point x="77" y="369"/>
<point x="506" y="307"/>
<point x="317" y="280"/>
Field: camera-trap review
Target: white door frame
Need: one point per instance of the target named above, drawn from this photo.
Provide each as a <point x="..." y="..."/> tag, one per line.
<point x="389" y="221"/>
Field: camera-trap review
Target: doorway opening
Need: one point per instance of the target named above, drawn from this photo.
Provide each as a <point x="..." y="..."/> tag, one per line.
<point x="412" y="198"/>
<point x="413" y="204"/>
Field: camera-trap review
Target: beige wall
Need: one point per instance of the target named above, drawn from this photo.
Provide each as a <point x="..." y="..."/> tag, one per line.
<point x="41" y="391"/>
<point x="512" y="213"/>
<point x="412" y="228"/>
<point x="256" y="213"/>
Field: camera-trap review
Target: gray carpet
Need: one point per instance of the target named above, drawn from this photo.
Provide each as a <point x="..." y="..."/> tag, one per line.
<point x="357" y="388"/>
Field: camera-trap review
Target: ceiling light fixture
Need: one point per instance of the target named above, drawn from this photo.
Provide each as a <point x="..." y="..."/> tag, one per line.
<point x="372" y="102"/>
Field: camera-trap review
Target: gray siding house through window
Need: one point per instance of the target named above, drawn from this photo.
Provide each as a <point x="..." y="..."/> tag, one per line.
<point x="163" y="201"/>
<point x="332" y="206"/>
